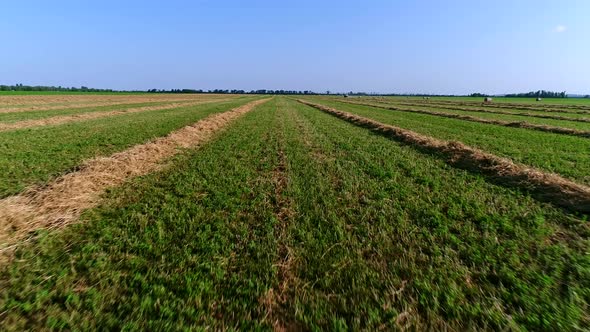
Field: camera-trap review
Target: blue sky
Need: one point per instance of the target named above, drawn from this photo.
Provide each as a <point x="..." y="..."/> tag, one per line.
<point x="373" y="46"/>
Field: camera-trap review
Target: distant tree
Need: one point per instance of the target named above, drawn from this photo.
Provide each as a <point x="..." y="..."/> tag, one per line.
<point x="539" y="94"/>
<point x="477" y="94"/>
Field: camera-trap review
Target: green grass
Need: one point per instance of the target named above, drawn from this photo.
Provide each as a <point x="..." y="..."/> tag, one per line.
<point x="33" y="115"/>
<point x="525" y="101"/>
<point x="494" y="116"/>
<point x="36" y="155"/>
<point x="374" y="229"/>
<point x="190" y="246"/>
<point x="451" y="107"/>
<point x="565" y="155"/>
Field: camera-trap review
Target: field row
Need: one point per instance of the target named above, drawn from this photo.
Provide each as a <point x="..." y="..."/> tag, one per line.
<point x="295" y="219"/>
<point x="500" y="120"/>
<point x="47" y="102"/>
<point x="486" y="109"/>
<point x="548" y="103"/>
<point x="34" y="156"/>
<point x="565" y="155"/>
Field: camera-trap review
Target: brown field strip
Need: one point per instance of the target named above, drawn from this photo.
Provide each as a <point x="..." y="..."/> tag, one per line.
<point x="482" y="110"/>
<point x="514" y="124"/>
<point x="62" y="119"/>
<point x="63" y="200"/>
<point x="544" y="186"/>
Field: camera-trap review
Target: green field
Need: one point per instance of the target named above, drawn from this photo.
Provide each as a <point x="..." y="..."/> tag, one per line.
<point x="561" y="154"/>
<point x="526" y="101"/>
<point x="293" y="219"/>
<point x="33" y="156"/>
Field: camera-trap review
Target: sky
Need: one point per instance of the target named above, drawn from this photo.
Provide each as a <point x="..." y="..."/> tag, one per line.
<point x="439" y="47"/>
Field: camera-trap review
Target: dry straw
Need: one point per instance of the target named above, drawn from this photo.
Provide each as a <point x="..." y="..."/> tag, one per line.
<point x="63" y="119"/>
<point x="62" y="201"/>
<point x="544" y="186"/>
<point x="517" y="124"/>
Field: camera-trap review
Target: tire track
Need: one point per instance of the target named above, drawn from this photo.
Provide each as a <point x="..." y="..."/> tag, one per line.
<point x="276" y="297"/>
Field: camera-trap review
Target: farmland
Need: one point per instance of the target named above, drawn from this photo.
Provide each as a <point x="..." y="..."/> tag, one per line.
<point x="152" y="212"/>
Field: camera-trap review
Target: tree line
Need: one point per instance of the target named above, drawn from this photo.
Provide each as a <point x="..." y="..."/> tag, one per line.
<point x="539" y="94"/>
<point x="21" y="87"/>
<point x="227" y="91"/>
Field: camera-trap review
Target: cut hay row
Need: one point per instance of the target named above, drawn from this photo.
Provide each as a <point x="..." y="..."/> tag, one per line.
<point x="63" y="119"/>
<point x="514" y="124"/>
<point x="483" y="110"/>
<point x="496" y="106"/>
<point x="545" y="107"/>
<point x="48" y="100"/>
<point x="544" y="186"/>
<point x="98" y="103"/>
<point x="62" y="201"/>
<point x="72" y="106"/>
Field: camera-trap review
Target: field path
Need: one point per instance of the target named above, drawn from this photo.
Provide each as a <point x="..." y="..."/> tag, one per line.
<point x="62" y="201"/>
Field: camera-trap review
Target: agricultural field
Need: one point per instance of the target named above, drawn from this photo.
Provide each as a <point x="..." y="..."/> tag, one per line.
<point x="230" y="212"/>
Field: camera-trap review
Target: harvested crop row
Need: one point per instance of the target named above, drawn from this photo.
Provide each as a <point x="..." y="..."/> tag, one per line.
<point x="53" y="100"/>
<point x="58" y="120"/>
<point x="63" y="201"/>
<point x="517" y="124"/>
<point x="495" y="106"/>
<point x="545" y="108"/>
<point x="66" y="106"/>
<point x="483" y="110"/>
<point x="545" y="186"/>
<point x="103" y="103"/>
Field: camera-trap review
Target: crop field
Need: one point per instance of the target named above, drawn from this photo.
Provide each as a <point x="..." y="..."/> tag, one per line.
<point x="252" y="212"/>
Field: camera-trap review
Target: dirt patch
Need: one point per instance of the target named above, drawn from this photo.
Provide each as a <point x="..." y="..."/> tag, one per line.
<point x="58" y="120"/>
<point x="515" y="124"/>
<point x="544" y="186"/>
<point x="62" y="201"/>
